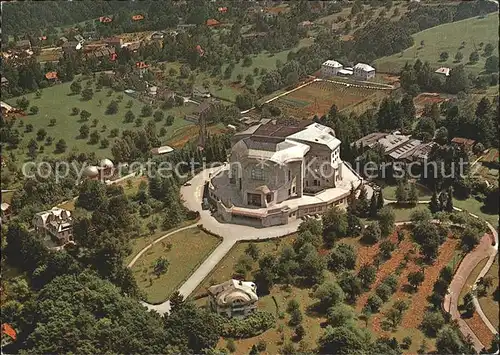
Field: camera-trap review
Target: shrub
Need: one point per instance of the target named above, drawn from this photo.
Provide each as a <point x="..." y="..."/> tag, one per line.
<point x="392" y="282"/>
<point x="374" y="302"/>
<point x="432" y="323"/>
<point x="261" y="345"/>
<point x="406" y="342"/>
<point x="231" y="346"/>
<point x="383" y="291"/>
<point x="251" y="326"/>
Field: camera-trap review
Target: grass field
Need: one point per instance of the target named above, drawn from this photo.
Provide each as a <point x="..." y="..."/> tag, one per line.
<point x="184" y="251"/>
<point x="447" y="38"/>
<point x="489" y="303"/>
<point x="317" y="98"/>
<point x="56" y="103"/>
<point x="473" y="206"/>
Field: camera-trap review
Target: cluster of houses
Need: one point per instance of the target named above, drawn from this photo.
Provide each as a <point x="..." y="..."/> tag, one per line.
<point x="360" y="71"/>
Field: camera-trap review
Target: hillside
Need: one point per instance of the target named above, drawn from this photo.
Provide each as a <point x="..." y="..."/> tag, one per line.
<point x="447" y="38"/>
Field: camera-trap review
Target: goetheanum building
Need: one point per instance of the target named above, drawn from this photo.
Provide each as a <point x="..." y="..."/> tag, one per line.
<point x="233" y="298"/>
<point x="280" y="172"/>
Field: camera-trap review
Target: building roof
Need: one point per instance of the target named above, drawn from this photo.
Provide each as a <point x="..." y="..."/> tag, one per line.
<point x="141" y="65"/>
<point x="4" y="80"/>
<point x="317" y="133"/>
<point x="364" y="67"/>
<point x="137" y="17"/>
<point x="6" y="106"/>
<point x="406" y="148"/>
<point x="51" y="75"/>
<point x="212" y="22"/>
<point x="443" y="70"/>
<point x="391" y="141"/>
<point x="345" y="71"/>
<point x="91" y="171"/>
<point x="162" y="150"/>
<point x="463" y="141"/>
<point x="5" y="206"/>
<point x="234" y="291"/>
<point x="106" y="163"/>
<point x="59" y="213"/>
<point x="105" y="19"/>
<point x="332" y="63"/>
<point x="23" y="43"/>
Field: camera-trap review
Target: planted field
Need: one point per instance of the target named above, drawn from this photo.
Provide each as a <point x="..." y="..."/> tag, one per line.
<point x="425" y="99"/>
<point x="317" y="98"/>
<point x="184" y="251"/>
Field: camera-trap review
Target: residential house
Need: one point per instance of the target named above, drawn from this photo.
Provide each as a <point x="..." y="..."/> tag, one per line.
<point x="137" y="17"/>
<point x="141" y="67"/>
<point x="363" y="71"/>
<point x="200" y="92"/>
<point x="202" y="110"/>
<point x="4" y="81"/>
<point x="464" y="143"/>
<point x="79" y="39"/>
<point x="105" y="19"/>
<point x="443" y="71"/>
<point x="330" y="68"/>
<point x="6" y="212"/>
<point x="305" y="25"/>
<point x="233" y="298"/>
<point x="132" y="46"/>
<point x="222" y="10"/>
<point x="51" y="76"/>
<point x="212" y="22"/>
<point x="23" y="44"/>
<point x="56" y="223"/>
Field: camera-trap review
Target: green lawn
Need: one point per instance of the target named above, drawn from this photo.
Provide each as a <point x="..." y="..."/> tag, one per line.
<point x="473" y="206"/>
<point x="56" y="103"/>
<point x="403" y="213"/>
<point x="447" y="38"/>
<point x="389" y="191"/>
<point x="489" y="303"/>
<point x="188" y="249"/>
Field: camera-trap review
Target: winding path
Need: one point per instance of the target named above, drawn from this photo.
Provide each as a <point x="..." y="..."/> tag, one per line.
<point x="232" y="233"/>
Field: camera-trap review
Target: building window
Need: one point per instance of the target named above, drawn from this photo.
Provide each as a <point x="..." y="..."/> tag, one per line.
<point x="289" y="192"/>
<point x="307" y="183"/>
<point x="257" y="174"/>
<point x="293" y="189"/>
<point x="289" y="175"/>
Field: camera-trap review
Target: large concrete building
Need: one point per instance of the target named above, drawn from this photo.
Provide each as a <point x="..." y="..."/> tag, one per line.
<point x="233" y="298"/>
<point x="278" y="173"/>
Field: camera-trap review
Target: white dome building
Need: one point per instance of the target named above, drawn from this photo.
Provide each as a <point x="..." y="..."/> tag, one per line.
<point x="91" y="172"/>
<point x="106" y="164"/>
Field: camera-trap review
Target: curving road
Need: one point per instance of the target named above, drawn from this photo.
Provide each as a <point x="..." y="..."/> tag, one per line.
<point x="232" y="233"/>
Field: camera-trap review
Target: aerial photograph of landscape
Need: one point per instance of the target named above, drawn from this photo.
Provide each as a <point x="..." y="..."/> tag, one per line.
<point x="249" y="177"/>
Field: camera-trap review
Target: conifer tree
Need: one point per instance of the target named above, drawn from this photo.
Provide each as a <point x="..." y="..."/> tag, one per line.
<point x="434" y="204"/>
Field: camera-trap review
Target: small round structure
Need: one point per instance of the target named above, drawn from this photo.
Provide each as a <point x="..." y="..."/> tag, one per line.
<point x="90" y="171"/>
<point x="106" y="164"/>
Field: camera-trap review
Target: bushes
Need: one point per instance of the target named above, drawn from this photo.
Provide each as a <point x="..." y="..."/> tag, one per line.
<point x="432" y="323"/>
<point x="251" y="326"/>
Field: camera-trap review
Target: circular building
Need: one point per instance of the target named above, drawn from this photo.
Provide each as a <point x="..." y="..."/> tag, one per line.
<point x="91" y="172"/>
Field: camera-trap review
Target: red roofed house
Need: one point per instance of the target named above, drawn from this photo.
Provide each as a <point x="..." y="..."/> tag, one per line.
<point x="463" y="143"/>
<point x="222" y="9"/>
<point x="212" y="22"/>
<point x="141" y="67"/>
<point x="105" y="19"/>
<point x="200" y="50"/>
<point x="51" y="76"/>
<point x="113" y="56"/>
<point x="137" y="17"/>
